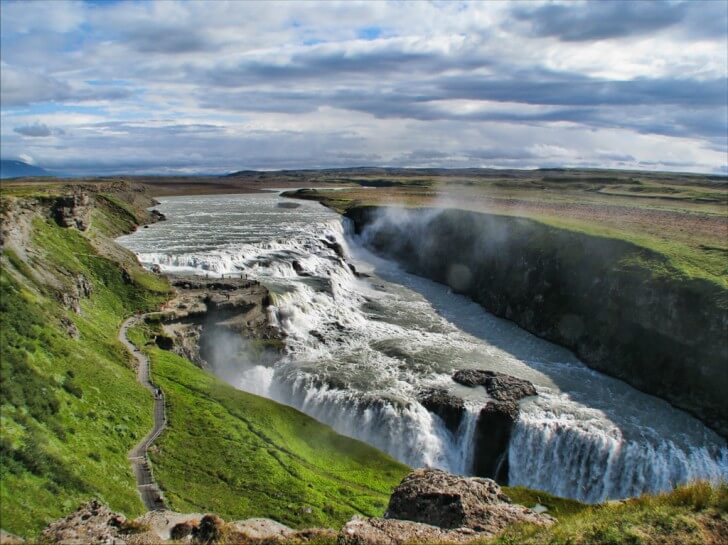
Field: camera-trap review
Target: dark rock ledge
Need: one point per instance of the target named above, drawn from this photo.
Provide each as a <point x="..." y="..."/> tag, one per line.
<point x="495" y="421"/>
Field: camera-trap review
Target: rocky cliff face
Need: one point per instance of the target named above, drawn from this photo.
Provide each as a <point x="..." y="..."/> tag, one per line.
<point x="622" y="308"/>
<point x="495" y="421"/>
<point x="206" y="312"/>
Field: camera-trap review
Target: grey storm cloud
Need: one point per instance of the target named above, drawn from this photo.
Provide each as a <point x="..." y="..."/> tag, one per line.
<point x="184" y="85"/>
<point x="169" y="39"/>
<point x="660" y="106"/>
<point x="38" y="130"/>
<point x="315" y="65"/>
<point x="20" y="87"/>
<point x="605" y="19"/>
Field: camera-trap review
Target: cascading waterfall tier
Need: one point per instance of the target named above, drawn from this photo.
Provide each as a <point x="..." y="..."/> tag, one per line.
<point x="360" y="349"/>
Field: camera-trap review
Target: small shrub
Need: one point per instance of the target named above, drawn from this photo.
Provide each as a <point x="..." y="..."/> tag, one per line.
<point x="72" y="387"/>
<point x="183" y="530"/>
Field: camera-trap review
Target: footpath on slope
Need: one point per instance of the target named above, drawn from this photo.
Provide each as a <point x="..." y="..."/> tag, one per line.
<point x="149" y="491"/>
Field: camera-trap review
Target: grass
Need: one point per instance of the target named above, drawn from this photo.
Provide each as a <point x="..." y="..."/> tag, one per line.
<point x="71" y="408"/>
<point x="240" y="455"/>
<point x="695" y="514"/>
<point x="684" y="218"/>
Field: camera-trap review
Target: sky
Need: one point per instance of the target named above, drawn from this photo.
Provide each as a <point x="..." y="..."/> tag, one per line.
<point x="212" y="87"/>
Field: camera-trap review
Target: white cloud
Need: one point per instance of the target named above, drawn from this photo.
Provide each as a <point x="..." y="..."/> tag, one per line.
<point x="267" y="84"/>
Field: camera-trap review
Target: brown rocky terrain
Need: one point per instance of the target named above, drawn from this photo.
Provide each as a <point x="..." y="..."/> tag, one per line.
<point x="429" y="506"/>
<point x="202" y="305"/>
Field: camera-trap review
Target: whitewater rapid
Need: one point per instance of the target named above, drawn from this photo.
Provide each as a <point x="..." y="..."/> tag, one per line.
<point x="359" y="349"/>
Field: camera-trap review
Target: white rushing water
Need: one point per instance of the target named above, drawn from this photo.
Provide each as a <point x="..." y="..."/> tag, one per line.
<point x="360" y="349"/>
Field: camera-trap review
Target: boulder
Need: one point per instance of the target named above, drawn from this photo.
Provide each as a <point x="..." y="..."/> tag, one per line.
<point x="210" y="529"/>
<point x="499" y="386"/>
<point x="155" y="216"/>
<point x="445" y="405"/>
<point x="438" y="498"/>
<point x="182" y="530"/>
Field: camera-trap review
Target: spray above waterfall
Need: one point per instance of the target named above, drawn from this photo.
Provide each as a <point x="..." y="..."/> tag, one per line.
<point x="361" y="348"/>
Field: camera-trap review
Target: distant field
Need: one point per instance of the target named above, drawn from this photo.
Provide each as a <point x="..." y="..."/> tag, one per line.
<point x="684" y="216"/>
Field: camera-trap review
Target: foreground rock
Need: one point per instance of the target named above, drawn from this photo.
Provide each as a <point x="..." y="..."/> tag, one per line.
<point x="496" y="419"/>
<point x="433" y="506"/>
<point x="382" y="531"/>
<point x="94" y="522"/>
<point x="435" y="497"/>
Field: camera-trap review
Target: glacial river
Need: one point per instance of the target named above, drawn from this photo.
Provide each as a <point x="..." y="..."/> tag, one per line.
<point x="359" y="350"/>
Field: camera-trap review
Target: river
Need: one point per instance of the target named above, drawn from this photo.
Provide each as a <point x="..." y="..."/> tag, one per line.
<point x="360" y="349"/>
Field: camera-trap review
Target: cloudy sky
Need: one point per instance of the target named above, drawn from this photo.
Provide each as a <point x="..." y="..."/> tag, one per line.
<point x="177" y="87"/>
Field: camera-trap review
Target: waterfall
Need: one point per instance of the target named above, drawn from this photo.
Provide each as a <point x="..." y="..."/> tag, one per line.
<point x="360" y="350"/>
<point x="593" y="463"/>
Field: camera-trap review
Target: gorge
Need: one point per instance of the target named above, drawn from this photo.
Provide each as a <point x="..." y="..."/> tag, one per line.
<point x="365" y="339"/>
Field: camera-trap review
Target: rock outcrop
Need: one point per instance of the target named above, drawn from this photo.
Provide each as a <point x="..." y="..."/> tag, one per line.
<point x="496" y="419"/>
<point x="381" y="531"/>
<point x="499" y="386"/>
<point x="93" y="522"/>
<point x="435" y="497"/>
<point x="448" y="407"/>
<point x="206" y="309"/>
<point x="73" y="211"/>
<point x="433" y="506"/>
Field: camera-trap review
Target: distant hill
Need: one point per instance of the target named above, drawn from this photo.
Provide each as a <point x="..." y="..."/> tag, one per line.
<point x="16" y="169"/>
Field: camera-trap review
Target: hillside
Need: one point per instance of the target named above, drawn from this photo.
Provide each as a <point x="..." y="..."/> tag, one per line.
<point x="72" y="409"/>
<point x="17" y="169"/>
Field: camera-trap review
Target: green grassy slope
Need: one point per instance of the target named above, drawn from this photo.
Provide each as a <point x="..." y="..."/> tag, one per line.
<point x="696" y="514"/>
<point x="241" y="455"/>
<point x="71" y="408"/>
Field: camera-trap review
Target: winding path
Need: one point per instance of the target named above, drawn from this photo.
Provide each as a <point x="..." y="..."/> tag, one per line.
<point x="148" y="489"/>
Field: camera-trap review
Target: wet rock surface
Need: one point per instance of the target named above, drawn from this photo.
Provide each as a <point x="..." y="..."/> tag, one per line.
<point x="499" y="386"/>
<point x="496" y="419"/>
<point x="445" y="405"/>
<point x="492" y="439"/>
